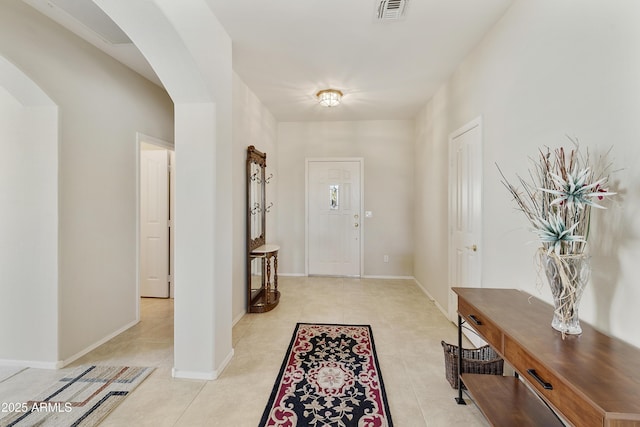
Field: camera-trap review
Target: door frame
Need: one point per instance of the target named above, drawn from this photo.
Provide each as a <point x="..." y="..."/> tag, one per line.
<point x="140" y="138"/>
<point x="453" y="185"/>
<point x="308" y="160"/>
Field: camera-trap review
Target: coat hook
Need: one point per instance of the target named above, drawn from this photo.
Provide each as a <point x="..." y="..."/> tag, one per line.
<point x="266" y="181"/>
<point x="268" y="209"/>
<point x="255" y="209"/>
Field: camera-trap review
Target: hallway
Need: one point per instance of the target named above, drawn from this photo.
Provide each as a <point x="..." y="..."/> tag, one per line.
<point x="407" y="329"/>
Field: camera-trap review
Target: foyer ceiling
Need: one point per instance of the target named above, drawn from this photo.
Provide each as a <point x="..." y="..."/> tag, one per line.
<point x="287" y="50"/>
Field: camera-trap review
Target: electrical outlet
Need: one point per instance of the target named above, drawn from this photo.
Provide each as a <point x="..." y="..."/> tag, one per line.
<point x="386" y="258"/>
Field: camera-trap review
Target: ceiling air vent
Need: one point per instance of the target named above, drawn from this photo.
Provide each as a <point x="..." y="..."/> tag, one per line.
<point x="391" y="10"/>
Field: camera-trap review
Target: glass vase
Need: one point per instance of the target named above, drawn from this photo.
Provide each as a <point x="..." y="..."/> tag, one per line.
<point x="567" y="276"/>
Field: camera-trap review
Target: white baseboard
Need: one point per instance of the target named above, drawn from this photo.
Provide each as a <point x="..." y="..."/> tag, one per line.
<point x="203" y="375"/>
<point x="225" y="362"/>
<point x="426" y="292"/>
<point x="237" y="318"/>
<point x="194" y="375"/>
<point x="38" y="364"/>
<point x="364" y="276"/>
<point x="97" y="344"/>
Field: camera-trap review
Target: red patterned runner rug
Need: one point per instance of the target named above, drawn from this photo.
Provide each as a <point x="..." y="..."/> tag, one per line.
<point x="329" y="377"/>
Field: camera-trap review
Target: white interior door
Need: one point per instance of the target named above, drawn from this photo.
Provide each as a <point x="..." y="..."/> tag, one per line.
<point x="172" y="187"/>
<point x="154" y="223"/>
<point x="334" y="217"/>
<point x="465" y="211"/>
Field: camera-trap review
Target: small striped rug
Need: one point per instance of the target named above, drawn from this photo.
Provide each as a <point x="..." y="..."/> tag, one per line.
<point x="82" y="398"/>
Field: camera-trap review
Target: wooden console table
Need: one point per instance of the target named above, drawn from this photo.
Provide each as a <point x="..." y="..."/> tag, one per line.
<point x="587" y="380"/>
<point x="266" y="297"/>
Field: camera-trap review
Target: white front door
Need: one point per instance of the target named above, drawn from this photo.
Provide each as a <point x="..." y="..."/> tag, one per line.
<point x="465" y="210"/>
<point x="154" y="223"/>
<point x="333" y="217"/>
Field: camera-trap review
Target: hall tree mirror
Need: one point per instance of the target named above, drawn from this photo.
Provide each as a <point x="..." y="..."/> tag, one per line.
<point x="262" y="257"/>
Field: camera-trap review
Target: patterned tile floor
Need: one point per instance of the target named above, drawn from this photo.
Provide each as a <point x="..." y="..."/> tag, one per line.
<point x="407" y="328"/>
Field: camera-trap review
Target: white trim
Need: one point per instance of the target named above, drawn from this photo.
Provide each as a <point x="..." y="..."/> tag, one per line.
<point x="141" y="137"/>
<point x="477" y="122"/>
<point x="97" y="344"/>
<point x="168" y="145"/>
<point x="360" y="160"/>
<point x="225" y="362"/>
<point x="443" y="310"/>
<point x="30" y="364"/>
<point x="306" y="217"/>
<point x="363" y="276"/>
<point x="207" y="375"/>
<point x="8" y="371"/>
<point x="238" y="318"/>
<point x="194" y="375"/>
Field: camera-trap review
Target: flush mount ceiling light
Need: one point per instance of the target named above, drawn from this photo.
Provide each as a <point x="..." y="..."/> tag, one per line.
<point x="329" y="97"/>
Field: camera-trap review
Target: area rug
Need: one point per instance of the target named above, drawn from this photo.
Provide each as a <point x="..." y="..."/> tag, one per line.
<point x="329" y="377"/>
<point x="82" y="398"/>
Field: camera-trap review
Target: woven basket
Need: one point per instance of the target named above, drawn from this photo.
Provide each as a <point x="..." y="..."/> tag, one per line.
<point x="483" y="360"/>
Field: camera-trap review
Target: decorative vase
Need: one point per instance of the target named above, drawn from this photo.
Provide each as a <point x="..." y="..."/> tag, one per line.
<point x="567" y="276"/>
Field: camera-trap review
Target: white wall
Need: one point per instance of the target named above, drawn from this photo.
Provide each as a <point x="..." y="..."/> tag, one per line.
<point x="102" y="105"/>
<point x="28" y="222"/>
<point x="547" y="69"/>
<point x="387" y="149"/>
<point x="254" y="125"/>
<point x="193" y="62"/>
<point x="431" y="255"/>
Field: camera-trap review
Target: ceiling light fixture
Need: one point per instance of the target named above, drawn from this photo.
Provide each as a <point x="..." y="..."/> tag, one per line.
<point x="329" y="97"/>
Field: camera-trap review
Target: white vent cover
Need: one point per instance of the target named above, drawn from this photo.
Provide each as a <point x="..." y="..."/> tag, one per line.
<point x="391" y="10"/>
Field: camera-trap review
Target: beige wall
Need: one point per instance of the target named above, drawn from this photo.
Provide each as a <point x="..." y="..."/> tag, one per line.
<point x="102" y="105"/>
<point x="431" y="255"/>
<point x="387" y="149"/>
<point x="29" y="243"/>
<point x="254" y="125"/>
<point x="547" y="69"/>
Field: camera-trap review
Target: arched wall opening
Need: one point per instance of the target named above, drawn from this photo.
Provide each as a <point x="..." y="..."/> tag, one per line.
<point x="191" y="54"/>
<point x="29" y="308"/>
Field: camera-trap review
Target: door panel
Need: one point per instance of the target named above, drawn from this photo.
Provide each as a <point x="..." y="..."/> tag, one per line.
<point x="154" y="217"/>
<point x="172" y="189"/>
<point x="333" y="211"/>
<point x="465" y="211"/>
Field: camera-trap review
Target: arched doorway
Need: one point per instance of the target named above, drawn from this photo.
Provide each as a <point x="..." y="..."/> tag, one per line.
<point x="29" y="222"/>
<point x="191" y="54"/>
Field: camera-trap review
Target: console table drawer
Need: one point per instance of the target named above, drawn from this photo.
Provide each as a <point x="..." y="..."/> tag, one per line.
<point x="486" y="328"/>
<point x="575" y="408"/>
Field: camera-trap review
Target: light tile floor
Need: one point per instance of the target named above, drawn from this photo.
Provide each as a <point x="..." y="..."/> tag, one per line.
<point x="407" y="329"/>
